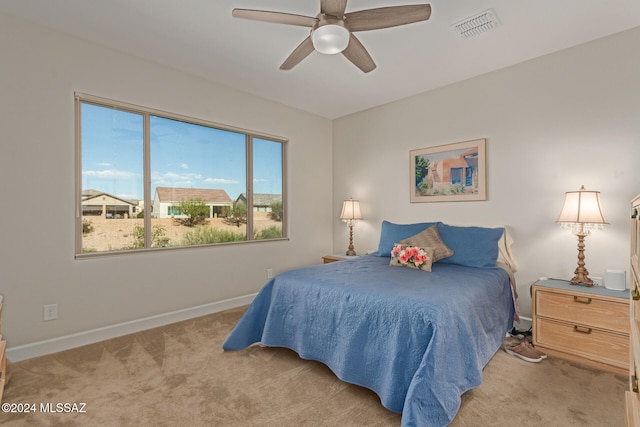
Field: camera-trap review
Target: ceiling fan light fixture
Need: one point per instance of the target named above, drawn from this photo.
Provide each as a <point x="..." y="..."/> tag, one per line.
<point x="332" y="30"/>
<point x="330" y="38"/>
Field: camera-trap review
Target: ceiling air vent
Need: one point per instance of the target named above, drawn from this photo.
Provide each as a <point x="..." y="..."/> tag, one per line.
<point x="477" y="24"/>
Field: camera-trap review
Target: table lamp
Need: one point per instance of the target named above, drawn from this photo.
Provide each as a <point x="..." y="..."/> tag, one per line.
<point x="582" y="213"/>
<point x="350" y="214"/>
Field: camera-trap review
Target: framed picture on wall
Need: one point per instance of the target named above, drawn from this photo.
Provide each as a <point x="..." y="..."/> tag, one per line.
<point x="448" y="173"/>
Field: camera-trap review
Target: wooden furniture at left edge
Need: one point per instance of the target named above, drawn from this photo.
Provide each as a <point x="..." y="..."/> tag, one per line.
<point x="3" y="358"/>
<point x="632" y="396"/>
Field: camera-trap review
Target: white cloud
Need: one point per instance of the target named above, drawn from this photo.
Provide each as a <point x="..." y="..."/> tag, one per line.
<point x="221" y="181"/>
<point x="181" y="176"/>
<point x="174" y="179"/>
<point x="109" y="173"/>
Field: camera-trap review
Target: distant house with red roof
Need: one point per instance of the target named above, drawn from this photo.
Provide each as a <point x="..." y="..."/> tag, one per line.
<point x="166" y="201"/>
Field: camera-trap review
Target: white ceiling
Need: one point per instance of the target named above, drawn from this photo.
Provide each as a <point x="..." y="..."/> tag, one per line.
<point x="201" y="37"/>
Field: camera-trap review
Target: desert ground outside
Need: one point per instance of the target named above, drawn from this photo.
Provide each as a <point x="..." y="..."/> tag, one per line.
<point x="115" y="234"/>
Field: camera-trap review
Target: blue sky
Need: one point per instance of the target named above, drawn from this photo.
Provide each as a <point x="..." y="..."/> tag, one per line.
<point x="441" y="155"/>
<point x="182" y="155"/>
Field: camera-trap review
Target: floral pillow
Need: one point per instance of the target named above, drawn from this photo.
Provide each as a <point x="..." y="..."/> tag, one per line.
<point x="412" y="257"/>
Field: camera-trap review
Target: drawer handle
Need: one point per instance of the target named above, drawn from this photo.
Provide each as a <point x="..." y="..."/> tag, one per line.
<point x="581" y="329"/>
<point x="582" y="300"/>
<point x="634" y="384"/>
<point x="636" y="293"/>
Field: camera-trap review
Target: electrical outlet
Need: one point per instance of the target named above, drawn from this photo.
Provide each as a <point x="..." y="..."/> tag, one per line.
<point x="597" y="281"/>
<point x="269" y="273"/>
<point x="50" y="311"/>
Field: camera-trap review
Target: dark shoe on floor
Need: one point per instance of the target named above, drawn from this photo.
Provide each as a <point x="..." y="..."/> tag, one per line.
<point x="516" y="333"/>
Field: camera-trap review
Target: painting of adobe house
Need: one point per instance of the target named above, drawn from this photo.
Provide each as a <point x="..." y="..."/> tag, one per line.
<point x="448" y="173"/>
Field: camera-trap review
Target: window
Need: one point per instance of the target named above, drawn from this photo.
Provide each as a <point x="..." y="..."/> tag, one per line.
<point x="149" y="179"/>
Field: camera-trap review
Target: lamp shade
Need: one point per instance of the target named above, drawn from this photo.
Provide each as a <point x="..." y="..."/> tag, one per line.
<point x="582" y="207"/>
<point x="350" y="210"/>
<point x="330" y="38"/>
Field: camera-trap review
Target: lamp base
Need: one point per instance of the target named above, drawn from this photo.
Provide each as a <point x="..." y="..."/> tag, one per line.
<point x="585" y="280"/>
<point x="350" y="249"/>
<point x="581" y="273"/>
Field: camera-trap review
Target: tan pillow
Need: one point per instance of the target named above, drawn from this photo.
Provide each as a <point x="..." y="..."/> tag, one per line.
<point x="429" y="238"/>
<point x="412" y="257"/>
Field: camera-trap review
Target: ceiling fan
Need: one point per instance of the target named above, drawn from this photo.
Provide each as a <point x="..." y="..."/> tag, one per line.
<point x="332" y="29"/>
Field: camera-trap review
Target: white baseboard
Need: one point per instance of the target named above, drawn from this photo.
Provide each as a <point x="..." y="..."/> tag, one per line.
<point x="525" y="323"/>
<point x="66" y="342"/>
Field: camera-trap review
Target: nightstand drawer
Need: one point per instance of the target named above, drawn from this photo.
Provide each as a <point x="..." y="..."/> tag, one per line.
<point x="592" y="343"/>
<point x="584" y="310"/>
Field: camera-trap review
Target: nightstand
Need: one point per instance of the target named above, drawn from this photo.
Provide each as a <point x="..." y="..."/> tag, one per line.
<point x="336" y="257"/>
<point x="581" y="324"/>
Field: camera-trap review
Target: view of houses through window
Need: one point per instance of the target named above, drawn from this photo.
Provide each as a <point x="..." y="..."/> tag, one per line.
<point x="156" y="180"/>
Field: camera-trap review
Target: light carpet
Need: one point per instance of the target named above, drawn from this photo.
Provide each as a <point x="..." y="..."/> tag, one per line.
<point x="179" y="375"/>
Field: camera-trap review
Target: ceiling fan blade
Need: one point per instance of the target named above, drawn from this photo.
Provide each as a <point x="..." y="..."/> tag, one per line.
<point x="357" y="54"/>
<point x="276" y="17"/>
<point x="333" y="7"/>
<point x="385" y="17"/>
<point x="302" y="51"/>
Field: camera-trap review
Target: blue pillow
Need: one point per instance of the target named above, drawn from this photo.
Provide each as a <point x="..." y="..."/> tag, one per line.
<point x="472" y="246"/>
<point x="392" y="233"/>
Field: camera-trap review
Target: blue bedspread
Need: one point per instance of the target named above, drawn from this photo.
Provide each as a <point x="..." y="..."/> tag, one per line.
<point x="418" y="339"/>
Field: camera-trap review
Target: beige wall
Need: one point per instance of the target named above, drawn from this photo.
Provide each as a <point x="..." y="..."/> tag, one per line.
<point x="39" y="72"/>
<point x="551" y="124"/>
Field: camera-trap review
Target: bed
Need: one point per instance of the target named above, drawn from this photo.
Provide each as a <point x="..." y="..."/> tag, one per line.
<point x="418" y="337"/>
